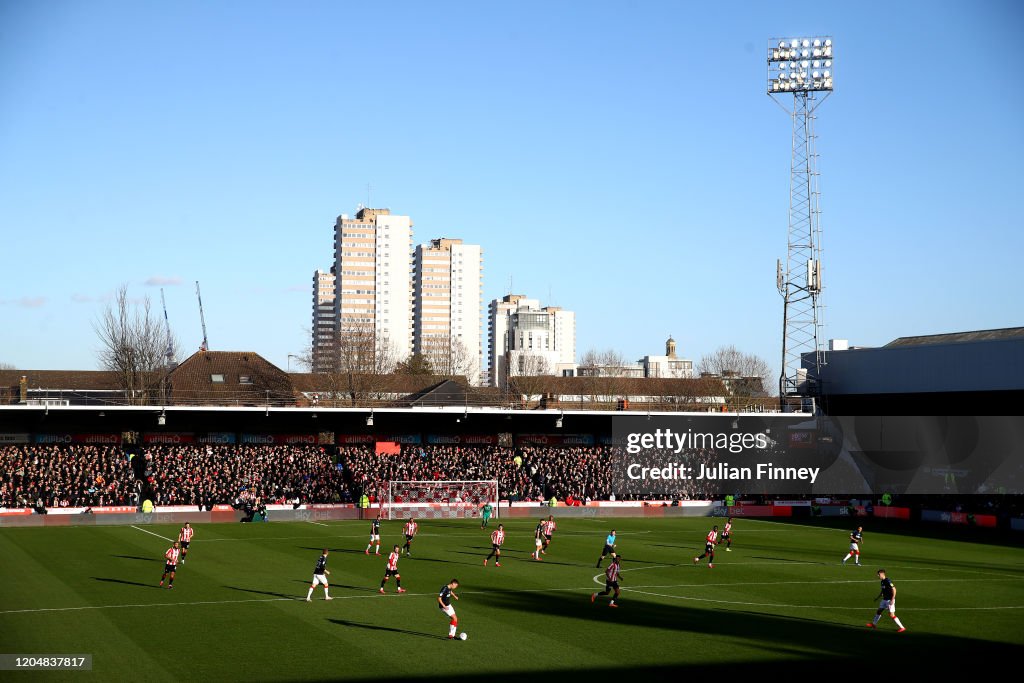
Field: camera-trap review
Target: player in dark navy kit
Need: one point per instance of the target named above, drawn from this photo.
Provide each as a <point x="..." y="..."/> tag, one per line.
<point x="611" y="582"/>
<point x="444" y="603"/>
<point x="374" y="535"/>
<point x="538" y="540"/>
<point x="888" y="595"/>
<point x="856" y="538"/>
<point x="320" y="577"/>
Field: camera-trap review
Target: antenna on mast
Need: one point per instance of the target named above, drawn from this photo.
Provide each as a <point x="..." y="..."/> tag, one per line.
<point x="169" y="353"/>
<point x="202" y="319"/>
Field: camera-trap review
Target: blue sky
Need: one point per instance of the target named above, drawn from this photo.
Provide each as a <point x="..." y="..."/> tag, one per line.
<point x="619" y="159"/>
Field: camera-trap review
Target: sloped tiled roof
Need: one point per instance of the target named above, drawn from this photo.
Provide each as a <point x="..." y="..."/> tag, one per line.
<point x="60" y="379"/>
<point x="247" y="379"/>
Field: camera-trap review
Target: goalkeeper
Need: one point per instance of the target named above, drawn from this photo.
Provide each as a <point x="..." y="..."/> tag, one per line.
<point x="485" y="514"/>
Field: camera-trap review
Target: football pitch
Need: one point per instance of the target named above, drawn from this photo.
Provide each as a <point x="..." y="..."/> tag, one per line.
<point x="778" y="602"/>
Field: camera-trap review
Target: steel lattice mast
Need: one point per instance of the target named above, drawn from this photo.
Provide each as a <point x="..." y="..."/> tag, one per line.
<point x="801" y="67"/>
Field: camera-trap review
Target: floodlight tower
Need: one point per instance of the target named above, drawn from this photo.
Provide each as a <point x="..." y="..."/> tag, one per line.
<point x="801" y="68"/>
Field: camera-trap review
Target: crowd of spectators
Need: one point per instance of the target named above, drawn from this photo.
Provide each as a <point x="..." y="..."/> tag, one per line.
<point x="207" y="475"/>
<point x="528" y="473"/>
<point x="44" y="476"/>
<point x="60" y="476"/>
<point x="71" y="475"/>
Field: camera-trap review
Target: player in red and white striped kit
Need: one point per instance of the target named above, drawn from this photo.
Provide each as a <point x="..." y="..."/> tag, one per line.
<point x="171" y="557"/>
<point x="727" y="535"/>
<point x="611" y="581"/>
<point x="392" y="570"/>
<point x="709" y="548"/>
<point x="410" y="529"/>
<point x="497" y="538"/>
<point x="184" y="538"/>
<point x="549" y="530"/>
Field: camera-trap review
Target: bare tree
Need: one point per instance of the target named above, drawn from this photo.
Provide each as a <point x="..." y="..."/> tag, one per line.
<point x="360" y="364"/>
<point x="7" y="366"/>
<point x="135" y="346"/>
<point x="604" y="363"/>
<point x="449" y="356"/>
<point x="738" y="369"/>
<point x="529" y="375"/>
<point x="613" y="369"/>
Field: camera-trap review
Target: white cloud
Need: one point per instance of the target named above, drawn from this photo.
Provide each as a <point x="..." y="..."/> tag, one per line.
<point x="161" y="281"/>
<point x="25" y="302"/>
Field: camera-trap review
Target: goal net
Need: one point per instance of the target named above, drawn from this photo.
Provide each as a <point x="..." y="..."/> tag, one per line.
<point x="440" y="499"/>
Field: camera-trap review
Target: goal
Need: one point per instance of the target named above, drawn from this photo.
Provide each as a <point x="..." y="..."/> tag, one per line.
<point x="440" y="499"/>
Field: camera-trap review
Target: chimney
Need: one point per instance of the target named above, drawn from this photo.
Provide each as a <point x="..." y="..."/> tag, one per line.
<point x="23" y="389"/>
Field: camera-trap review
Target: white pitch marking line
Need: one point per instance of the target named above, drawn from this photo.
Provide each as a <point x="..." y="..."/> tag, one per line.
<point x="317" y="523"/>
<point x="777" y="605"/>
<point x="536" y="590"/>
<point x="256" y="600"/>
<point x="152" y="534"/>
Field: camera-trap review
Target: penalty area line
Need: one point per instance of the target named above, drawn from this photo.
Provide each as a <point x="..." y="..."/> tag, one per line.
<point x="151" y="533"/>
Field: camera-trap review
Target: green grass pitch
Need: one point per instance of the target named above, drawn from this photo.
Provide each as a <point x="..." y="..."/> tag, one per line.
<point x="779" y="602"/>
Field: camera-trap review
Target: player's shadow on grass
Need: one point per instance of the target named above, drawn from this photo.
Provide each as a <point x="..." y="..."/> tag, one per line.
<point x="320" y="549"/>
<point x="342" y="585"/>
<point x="421" y="558"/>
<point x="809" y="637"/>
<point x="271" y="593"/>
<point x="137" y="557"/>
<point x="371" y="627"/>
<point x="129" y="583"/>
<point x="782" y="560"/>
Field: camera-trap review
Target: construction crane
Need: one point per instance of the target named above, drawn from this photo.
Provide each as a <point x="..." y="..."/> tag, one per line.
<point x="202" y="319"/>
<point x="167" y="325"/>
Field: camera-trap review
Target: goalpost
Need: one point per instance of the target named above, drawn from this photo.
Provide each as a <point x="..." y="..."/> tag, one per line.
<point x="440" y="499"/>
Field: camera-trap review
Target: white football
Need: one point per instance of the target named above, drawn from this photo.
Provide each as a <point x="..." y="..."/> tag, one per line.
<point x="463" y="636"/>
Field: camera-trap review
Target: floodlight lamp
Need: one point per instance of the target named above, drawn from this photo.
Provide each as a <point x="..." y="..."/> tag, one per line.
<point x="827" y="52"/>
<point x="828" y="63"/>
<point x="792" y="65"/>
<point x="827" y="74"/>
<point x="807" y="43"/>
<point x="817" y="43"/>
<point x="816" y="52"/>
<point x="805" y="53"/>
<point x="804" y="63"/>
<point x="815" y="75"/>
<point x="828" y="83"/>
<point x="817" y="64"/>
<point x="782" y="43"/>
<point x="795" y="43"/>
<point x="828" y="42"/>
